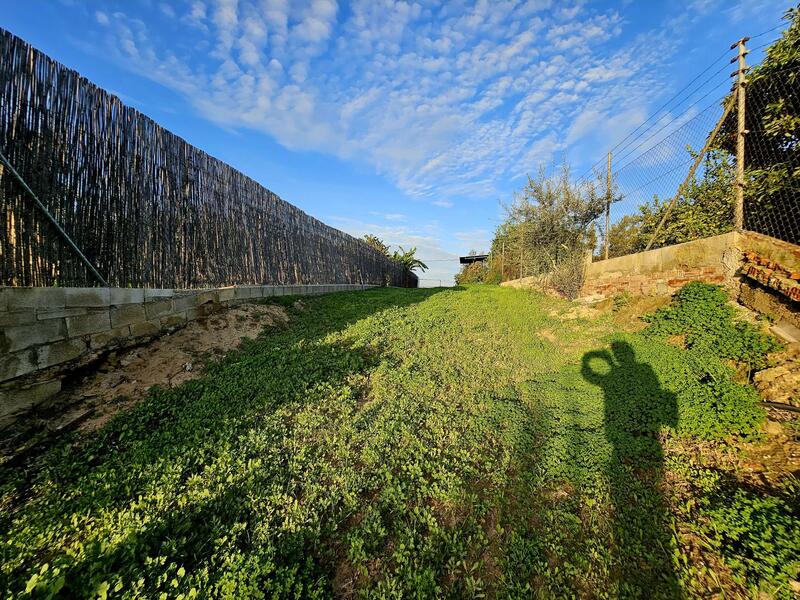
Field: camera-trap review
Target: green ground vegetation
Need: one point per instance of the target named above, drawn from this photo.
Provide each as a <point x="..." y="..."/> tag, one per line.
<point x="469" y="442"/>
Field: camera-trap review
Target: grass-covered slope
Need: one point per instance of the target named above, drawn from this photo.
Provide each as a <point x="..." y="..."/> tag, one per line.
<point x="414" y="443"/>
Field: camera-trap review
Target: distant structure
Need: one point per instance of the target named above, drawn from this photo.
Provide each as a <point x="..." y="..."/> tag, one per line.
<point x="472" y="258"/>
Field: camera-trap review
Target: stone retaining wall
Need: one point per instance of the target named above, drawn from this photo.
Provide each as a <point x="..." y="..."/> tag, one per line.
<point x="45" y="332"/>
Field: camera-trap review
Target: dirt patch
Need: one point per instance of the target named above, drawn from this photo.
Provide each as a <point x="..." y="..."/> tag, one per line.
<point x="124" y="378"/>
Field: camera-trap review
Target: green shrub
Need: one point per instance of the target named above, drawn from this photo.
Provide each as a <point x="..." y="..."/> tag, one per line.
<point x="700" y="312"/>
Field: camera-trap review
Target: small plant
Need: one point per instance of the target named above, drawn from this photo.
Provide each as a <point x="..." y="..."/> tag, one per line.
<point x="701" y="312"/>
<point x="621" y="301"/>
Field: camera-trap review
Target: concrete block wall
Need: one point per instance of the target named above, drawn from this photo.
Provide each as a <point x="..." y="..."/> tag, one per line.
<point x="665" y="270"/>
<point x="46" y="332"/>
<point x="719" y="259"/>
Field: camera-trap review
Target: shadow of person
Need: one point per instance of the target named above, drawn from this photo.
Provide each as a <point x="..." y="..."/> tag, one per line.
<point x="635" y="409"/>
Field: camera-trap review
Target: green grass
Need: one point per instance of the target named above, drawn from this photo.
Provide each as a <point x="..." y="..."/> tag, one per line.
<point x="412" y="443"/>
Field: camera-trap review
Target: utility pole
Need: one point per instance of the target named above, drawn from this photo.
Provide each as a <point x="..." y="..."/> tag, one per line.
<point x="741" y="82"/>
<point x="608" y="204"/>
<point x="522" y="250"/>
<point x="503" y="261"/>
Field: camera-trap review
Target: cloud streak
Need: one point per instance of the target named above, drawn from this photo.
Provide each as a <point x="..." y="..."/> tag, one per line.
<point x="445" y="99"/>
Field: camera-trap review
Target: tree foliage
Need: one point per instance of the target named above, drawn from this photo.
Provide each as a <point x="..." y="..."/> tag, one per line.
<point x="377" y="243"/>
<point x="407" y="258"/>
<point x="704" y="209"/>
<point x="548" y="225"/>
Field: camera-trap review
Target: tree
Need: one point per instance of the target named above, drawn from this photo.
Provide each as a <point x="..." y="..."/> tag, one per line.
<point x="472" y="273"/>
<point x="408" y="259"/>
<point x="549" y="221"/>
<point x="377" y="243"/>
<point x="704" y="209"/>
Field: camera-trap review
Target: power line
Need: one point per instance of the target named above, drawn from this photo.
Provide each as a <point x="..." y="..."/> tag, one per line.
<point x="667" y="124"/>
<point x="681" y="114"/>
<point x="657" y="111"/>
<point x="752" y="37"/>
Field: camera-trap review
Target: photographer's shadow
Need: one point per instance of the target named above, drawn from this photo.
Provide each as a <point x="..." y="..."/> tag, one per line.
<point x="636" y="407"/>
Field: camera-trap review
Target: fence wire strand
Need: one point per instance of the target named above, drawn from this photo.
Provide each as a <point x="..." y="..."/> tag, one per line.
<point x="651" y="163"/>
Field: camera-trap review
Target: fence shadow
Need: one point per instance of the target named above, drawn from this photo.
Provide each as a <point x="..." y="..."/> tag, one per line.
<point x="635" y="408"/>
<point x="175" y="434"/>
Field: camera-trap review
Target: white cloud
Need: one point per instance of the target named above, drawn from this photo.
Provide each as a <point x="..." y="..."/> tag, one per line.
<point x="444" y="98"/>
<point x="442" y="264"/>
<point x="101" y="17"/>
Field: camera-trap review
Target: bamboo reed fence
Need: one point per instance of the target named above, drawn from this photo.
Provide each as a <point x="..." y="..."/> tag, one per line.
<point x="147" y="208"/>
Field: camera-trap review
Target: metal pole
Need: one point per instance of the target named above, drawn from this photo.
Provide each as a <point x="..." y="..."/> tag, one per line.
<point x="608" y="204"/>
<point x="738" y="211"/>
<point x="52" y="220"/>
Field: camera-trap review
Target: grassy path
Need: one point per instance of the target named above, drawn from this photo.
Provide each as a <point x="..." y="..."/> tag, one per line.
<point x="409" y="443"/>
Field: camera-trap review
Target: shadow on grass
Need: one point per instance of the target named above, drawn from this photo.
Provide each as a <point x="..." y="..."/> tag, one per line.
<point x="635" y="408"/>
<point x="140" y="472"/>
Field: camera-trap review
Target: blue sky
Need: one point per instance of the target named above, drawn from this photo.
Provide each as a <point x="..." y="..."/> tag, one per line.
<point x="409" y="120"/>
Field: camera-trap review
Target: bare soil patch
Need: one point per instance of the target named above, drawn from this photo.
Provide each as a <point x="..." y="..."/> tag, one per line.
<point x="123" y="378"/>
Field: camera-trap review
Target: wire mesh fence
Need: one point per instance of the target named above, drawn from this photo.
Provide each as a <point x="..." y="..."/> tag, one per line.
<point x="146" y="208"/>
<point x="675" y="177"/>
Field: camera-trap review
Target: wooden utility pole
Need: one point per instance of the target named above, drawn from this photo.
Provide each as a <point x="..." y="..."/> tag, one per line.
<point x="503" y="261"/>
<point x="608" y="205"/>
<point x="741" y="82"/>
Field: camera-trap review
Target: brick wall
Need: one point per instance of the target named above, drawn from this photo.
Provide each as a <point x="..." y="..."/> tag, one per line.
<point x="665" y="270"/>
<point x="652" y="284"/>
<point x="45" y="332"/>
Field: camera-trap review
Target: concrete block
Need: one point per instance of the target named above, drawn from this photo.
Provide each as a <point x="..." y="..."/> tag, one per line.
<point x="207" y="296"/>
<point x="24" y="336"/>
<point x="226" y="294"/>
<point x="60" y="352"/>
<point x="18" y="399"/>
<point x="145" y="329"/>
<point x="127" y="314"/>
<point x="24" y="298"/>
<point x="185" y="302"/>
<point x="267" y="291"/>
<point x="158" y="308"/>
<point x="43" y="314"/>
<point x="15" y="364"/>
<point x="15" y="318"/>
<point x="118" y="296"/>
<point x="173" y="320"/>
<point x="241" y="293"/>
<point x="3" y="300"/>
<point x="87" y="297"/>
<point x="106" y="338"/>
<point x="786" y="331"/>
<point x="94" y="322"/>
<point x="158" y="293"/>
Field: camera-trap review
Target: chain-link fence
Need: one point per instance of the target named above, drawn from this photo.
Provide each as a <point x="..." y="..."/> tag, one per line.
<point x="676" y="177"/>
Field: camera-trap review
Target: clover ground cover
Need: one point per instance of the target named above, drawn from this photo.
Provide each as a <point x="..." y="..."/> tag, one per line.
<point x="425" y="443"/>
